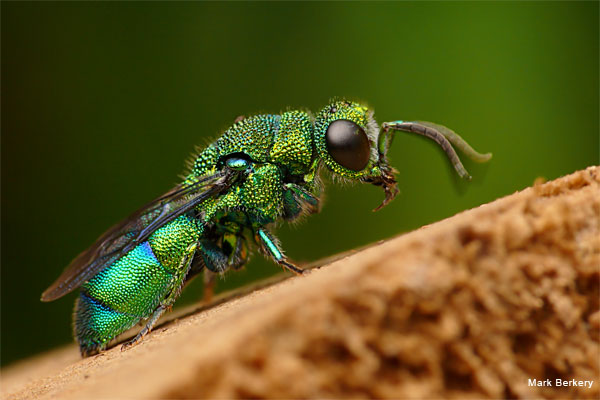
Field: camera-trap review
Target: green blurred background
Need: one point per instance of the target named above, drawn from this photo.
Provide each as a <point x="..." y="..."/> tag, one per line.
<point x="103" y="102"/>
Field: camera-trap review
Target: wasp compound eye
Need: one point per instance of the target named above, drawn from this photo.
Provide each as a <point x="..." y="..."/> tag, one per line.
<point x="348" y="144"/>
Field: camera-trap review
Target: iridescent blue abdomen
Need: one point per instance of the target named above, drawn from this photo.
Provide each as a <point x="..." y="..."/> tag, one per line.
<point x="132" y="287"/>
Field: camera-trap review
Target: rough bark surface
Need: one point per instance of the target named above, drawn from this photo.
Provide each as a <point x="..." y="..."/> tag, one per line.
<point x="473" y="306"/>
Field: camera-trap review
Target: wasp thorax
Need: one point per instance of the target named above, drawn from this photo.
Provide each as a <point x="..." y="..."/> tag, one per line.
<point x="348" y="144"/>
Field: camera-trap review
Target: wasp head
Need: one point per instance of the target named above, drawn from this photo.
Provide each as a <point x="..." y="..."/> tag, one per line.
<point x="353" y="146"/>
<point x="348" y="142"/>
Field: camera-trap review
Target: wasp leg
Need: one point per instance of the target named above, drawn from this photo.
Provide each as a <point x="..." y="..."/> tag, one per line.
<point x="298" y="201"/>
<point x="213" y="257"/>
<point x="166" y="303"/>
<point x="196" y="268"/>
<point x="209" y="286"/>
<point x="236" y="246"/>
<point x="269" y="245"/>
<point x="234" y="249"/>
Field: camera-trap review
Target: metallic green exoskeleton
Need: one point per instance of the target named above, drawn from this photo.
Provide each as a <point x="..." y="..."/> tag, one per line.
<point x="263" y="169"/>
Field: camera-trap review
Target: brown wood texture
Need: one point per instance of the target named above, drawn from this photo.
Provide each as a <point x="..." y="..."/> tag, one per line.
<point x="473" y="306"/>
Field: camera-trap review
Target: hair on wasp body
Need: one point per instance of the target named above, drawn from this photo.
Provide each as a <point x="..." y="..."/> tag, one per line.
<point x="264" y="169"/>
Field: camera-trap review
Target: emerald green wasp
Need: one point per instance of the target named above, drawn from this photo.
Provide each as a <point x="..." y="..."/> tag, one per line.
<point x="263" y="169"/>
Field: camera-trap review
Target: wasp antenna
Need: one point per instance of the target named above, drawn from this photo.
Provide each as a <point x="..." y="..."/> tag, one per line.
<point x="458" y="141"/>
<point x="435" y="135"/>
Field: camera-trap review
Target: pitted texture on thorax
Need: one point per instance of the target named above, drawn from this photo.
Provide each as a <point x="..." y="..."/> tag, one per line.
<point x="259" y="196"/>
<point x="262" y="193"/>
<point x="292" y="145"/>
<point x="252" y="136"/>
<point x="278" y="146"/>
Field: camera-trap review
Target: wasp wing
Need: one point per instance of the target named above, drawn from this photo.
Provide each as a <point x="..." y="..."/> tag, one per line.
<point x="135" y="229"/>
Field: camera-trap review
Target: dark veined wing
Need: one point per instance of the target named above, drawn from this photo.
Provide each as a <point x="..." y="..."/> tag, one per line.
<point x="135" y="229"/>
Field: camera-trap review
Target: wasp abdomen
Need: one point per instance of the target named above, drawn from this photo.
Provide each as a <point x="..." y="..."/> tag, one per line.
<point x="132" y="287"/>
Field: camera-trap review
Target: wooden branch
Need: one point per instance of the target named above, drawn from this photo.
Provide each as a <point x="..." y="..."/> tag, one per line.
<point x="478" y="305"/>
